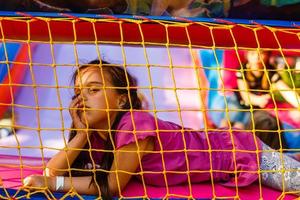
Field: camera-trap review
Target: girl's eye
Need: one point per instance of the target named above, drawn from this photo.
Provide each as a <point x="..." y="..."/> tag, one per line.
<point x="93" y="90"/>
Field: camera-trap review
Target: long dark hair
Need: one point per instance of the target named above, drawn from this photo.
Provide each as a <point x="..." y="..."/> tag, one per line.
<point x="264" y="76"/>
<point x="263" y="122"/>
<point x="125" y="85"/>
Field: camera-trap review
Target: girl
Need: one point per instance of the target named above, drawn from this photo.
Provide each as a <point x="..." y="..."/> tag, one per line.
<point x="260" y="82"/>
<point x="113" y="139"/>
<point x="257" y="79"/>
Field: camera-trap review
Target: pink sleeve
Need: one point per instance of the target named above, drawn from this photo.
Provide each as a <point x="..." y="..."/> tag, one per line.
<point x="134" y="126"/>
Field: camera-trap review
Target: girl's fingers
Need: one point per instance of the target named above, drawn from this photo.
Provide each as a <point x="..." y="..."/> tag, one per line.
<point x="74" y="110"/>
<point x="75" y="115"/>
<point x="75" y="104"/>
<point x="27" y="181"/>
<point x="76" y="99"/>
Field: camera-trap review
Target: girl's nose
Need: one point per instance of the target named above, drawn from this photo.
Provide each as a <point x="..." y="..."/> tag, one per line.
<point x="81" y="98"/>
<point x="84" y="99"/>
<point x="83" y="95"/>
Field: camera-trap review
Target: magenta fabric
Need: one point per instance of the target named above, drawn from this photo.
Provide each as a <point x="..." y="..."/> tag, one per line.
<point x="204" y="191"/>
<point x="168" y="164"/>
<point x="12" y="175"/>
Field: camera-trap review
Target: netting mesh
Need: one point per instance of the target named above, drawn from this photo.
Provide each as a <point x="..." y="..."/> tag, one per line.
<point x="145" y="36"/>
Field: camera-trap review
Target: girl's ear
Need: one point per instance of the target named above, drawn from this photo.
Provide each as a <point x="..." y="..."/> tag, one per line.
<point x="122" y="101"/>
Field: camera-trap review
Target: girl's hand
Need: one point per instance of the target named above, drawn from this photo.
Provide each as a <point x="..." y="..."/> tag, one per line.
<point x="39" y="182"/>
<point x="75" y="110"/>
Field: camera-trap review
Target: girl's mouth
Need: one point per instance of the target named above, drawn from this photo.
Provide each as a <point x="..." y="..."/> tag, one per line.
<point x="83" y="110"/>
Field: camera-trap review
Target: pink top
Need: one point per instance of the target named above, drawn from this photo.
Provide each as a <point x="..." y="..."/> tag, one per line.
<point x="168" y="137"/>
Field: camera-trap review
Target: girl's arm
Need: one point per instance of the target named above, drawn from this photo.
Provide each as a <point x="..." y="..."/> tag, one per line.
<point x="288" y="94"/>
<point x="79" y="184"/>
<point x="126" y="162"/>
<point x="250" y="98"/>
<point x="59" y="164"/>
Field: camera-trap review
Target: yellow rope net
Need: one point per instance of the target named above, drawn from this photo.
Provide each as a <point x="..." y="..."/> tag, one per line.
<point x="143" y="32"/>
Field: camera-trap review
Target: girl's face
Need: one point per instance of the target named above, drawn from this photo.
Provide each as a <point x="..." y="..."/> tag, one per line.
<point x="95" y="98"/>
<point x="255" y="59"/>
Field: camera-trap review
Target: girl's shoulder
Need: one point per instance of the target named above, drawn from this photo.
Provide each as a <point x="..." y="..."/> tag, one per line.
<point x="133" y="126"/>
<point x="137" y="120"/>
<point x="142" y="120"/>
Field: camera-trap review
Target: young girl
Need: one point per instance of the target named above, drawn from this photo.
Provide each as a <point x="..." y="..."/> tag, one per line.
<point x="113" y="139"/>
<point x="259" y="82"/>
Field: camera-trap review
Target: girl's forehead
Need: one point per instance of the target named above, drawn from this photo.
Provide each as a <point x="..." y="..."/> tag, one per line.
<point x="90" y="74"/>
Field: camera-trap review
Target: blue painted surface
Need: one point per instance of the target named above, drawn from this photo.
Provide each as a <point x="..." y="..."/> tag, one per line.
<point x="22" y="195"/>
<point x="277" y="23"/>
<point x="217" y="102"/>
<point x="58" y="195"/>
<point x="12" y="50"/>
